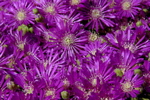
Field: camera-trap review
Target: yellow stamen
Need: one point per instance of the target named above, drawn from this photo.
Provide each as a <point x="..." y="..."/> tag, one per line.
<point x="75" y="2"/>
<point x="68" y="40"/>
<point x="50" y="9"/>
<point x="96" y="13"/>
<point x="94" y="82"/>
<point x="93" y="37"/>
<point x="126" y="5"/>
<point x="127" y="87"/>
<point x="29" y="89"/>
<point x="21" y="15"/>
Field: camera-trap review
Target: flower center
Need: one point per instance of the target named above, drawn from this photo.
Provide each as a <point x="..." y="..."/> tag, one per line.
<point x="29" y="90"/>
<point x="94" y="82"/>
<point x="93" y="37"/>
<point x="10" y="85"/>
<point x="127" y="87"/>
<point x="126" y="5"/>
<point x="50" y="9"/>
<point x="93" y="52"/>
<point x="75" y="2"/>
<point x="21" y="15"/>
<point x="66" y="83"/>
<point x="96" y="13"/>
<point x="21" y="45"/>
<point x="68" y="40"/>
<point x="49" y="93"/>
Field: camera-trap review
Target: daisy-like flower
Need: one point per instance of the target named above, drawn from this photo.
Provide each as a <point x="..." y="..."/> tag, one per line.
<point x="18" y="39"/>
<point x="53" y="10"/>
<point x="129" y="85"/>
<point x="51" y="58"/>
<point x="20" y="12"/>
<point x="69" y="40"/>
<point x="125" y="60"/>
<point x="94" y="47"/>
<point x="99" y="15"/>
<point x="127" y="8"/>
<point x="5" y="93"/>
<point x="50" y="80"/>
<point x="128" y="39"/>
<point x="72" y="83"/>
<point x="4" y="56"/>
<point x="96" y="77"/>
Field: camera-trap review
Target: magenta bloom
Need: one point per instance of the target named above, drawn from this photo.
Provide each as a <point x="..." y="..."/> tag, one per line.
<point x="53" y="10"/>
<point x="125" y="61"/>
<point x="127" y="8"/>
<point x="20" y="12"/>
<point x="129" y="39"/>
<point x="99" y="15"/>
<point x="69" y="40"/>
<point x="129" y="85"/>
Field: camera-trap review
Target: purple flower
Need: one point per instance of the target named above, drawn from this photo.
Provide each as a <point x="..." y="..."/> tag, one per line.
<point x="5" y="92"/>
<point x="129" y="85"/>
<point x="128" y="39"/>
<point x="125" y="61"/>
<point x="69" y="40"/>
<point x="95" y="77"/>
<point x="20" y="12"/>
<point x="127" y="8"/>
<point x="53" y="10"/>
<point x="99" y="15"/>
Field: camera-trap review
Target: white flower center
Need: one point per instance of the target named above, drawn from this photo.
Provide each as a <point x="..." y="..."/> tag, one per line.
<point x="29" y="89"/>
<point x="49" y="93"/>
<point x="75" y="2"/>
<point x="93" y="37"/>
<point x="126" y="5"/>
<point x="50" y="9"/>
<point x="21" y="15"/>
<point x="127" y="87"/>
<point x="68" y="40"/>
<point x="96" y="13"/>
<point x="94" y="82"/>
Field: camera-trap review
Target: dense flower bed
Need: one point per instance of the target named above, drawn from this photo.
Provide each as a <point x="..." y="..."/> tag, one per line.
<point x="74" y="49"/>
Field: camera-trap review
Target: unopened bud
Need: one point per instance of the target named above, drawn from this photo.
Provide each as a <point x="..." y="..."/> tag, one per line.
<point x="64" y="94"/>
<point x="31" y="29"/>
<point x="137" y="71"/>
<point x="138" y="23"/>
<point x="118" y="72"/>
<point x="145" y="10"/>
<point x="35" y="11"/>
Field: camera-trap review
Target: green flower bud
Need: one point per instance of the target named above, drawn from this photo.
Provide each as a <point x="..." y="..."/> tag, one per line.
<point x="19" y="28"/>
<point x="5" y="45"/>
<point x="118" y="72"/>
<point x="35" y="11"/>
<point x="31" y="29"/>
<point x="25" y="30"/>
<point x="145" y="10"/>
<point x="39" y="19"/>
<point x="64" y="94"/>
<point x="137" y="71"/>
<point x="138" y="23"/>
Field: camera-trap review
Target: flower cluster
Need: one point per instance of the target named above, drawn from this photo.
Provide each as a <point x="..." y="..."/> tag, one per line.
<point x="74" y="49"/>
